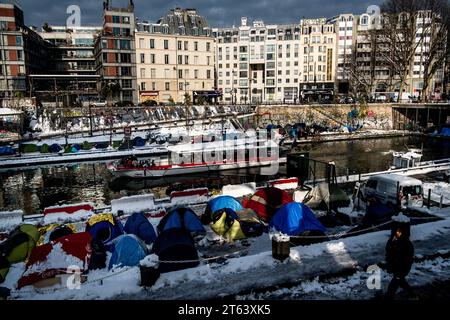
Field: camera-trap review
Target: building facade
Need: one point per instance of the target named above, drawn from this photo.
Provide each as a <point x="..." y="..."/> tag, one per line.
<point x="22" y="52"/>
<point x="115" y="51"/>
<point x="175" y="58"/>
<point x="318" y="63"/>
<point x="258" y="63"/>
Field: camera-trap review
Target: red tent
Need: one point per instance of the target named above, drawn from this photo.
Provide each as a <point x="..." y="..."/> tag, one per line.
<point x="55" y="258"/>
<point x="266" y="202"/>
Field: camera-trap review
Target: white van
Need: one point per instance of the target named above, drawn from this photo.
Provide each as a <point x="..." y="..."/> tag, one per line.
<point x="391" y="189"/>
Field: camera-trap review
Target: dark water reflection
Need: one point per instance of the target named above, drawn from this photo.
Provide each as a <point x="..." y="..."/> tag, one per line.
<point x="34" y="190"/>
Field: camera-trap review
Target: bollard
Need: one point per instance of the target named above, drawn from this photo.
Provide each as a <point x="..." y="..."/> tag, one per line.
<point x="429" y="199"/>
<point x="441" y="201"/>
<point x="348" y="174"/>
<point x="401" y="222"/>
<point x="149" y="269"/>
<point x="280" y="247"/>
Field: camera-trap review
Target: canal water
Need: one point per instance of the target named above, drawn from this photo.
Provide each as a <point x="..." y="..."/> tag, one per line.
<point x="34" y="190"/>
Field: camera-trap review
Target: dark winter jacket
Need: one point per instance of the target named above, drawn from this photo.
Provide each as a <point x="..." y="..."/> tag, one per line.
<point x="399" y="256"/>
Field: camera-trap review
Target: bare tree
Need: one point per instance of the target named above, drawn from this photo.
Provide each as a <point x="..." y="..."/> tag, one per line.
<point x="399" y="35"/>
<point x="436" y="49"/>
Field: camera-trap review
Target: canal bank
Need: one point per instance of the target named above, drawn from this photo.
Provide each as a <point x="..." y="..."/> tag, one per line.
<point x="35" y="189"/>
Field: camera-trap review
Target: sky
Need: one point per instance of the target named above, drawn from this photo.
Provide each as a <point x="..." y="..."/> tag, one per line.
<point x="224" y="13"/>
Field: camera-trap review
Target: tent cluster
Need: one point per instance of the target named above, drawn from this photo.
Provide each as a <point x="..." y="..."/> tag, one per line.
<point x="50" y="250"/>
<point x="267" y="208"/>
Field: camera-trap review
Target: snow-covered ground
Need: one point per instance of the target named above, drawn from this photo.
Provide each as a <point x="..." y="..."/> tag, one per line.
<point x="247" y="271"/>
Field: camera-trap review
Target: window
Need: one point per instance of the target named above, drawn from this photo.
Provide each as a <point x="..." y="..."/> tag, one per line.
<point x="186" y="59"/>
<point x="142" y="72"/>
<point x="180" y="86"/>
<point x="142" y="58"/>
<point x="20" y="55"/>
<point x="141" y="43"/>
<point x="208" y="60"/>
<point x="153" y="86"/>
<point x="166" y="44"/>
<point x="196" y="60"/>
<point x="125" y="58"/>
<point x="152" y="43"/>
<point x="126" y="83"/>
<point x="167" y="86"/>
<point x="18" y="40"/>
<point x="167" y="73"/>
<point x="125" y="44"/>
<point x="152" y="58"/>
<point x="208" y="74"/>
<point x="125" y="71"/>
<point x="142" y="85"/>
<point x="180" y="74"/>
<point x="116" y="19"/>
<point x="208" y="46"/>
<point x="180" y="59"/>
<point x="196" y="74"/>
<point x="153" y="73"/>
<point x="186" y="45"/>
<point x="166" y="59"/>
<point x="196" y="46"/>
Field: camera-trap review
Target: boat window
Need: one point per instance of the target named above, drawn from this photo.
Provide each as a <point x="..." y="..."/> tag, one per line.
<point x="412" y="190"/>
<point x="372" y="184"/>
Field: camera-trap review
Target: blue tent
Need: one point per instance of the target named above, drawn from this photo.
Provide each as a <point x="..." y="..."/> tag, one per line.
<point x="54" y="148"/>
<point x="223" y="202"/>
<point x="445" y="132"/>
<point x="7" y="151"/>
<point x="128" y="251"/>
<point x="295" y="218"/>
<point x="138" y="142"/>
<point x="175" y="245"/>
<point x="183" y="218"/>
<point x="101" y="145"/>
<point x="105" y="231"/>
<point x="219" y="203"/>
<point x="139" y="225"/>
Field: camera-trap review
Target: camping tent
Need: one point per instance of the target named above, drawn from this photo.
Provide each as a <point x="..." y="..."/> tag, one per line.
<point x="445" y="132"/>
<point x="128" y="251"/>
<point x="175" y="245"/>
<point x="54" y="148"/>
<point x="52" y="259"/>
<point x="266" y="202"/>
<point x="139" y="225"/>
<point x="104" y="227"/>
<point x="183" y="218"/>
<point x="237" y="225"/>
<point x="294" y="219"/>
<point x="326" y="196"/>
<point x="219" y="203"/>
<point x="138" y="142"/>
<point x="17" y="247"/>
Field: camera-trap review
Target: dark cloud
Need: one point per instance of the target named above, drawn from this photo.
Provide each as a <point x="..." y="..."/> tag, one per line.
<point x="219" y="13"/>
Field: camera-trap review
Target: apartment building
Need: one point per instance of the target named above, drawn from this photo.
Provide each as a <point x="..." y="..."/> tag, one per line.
<point x="258" y="62"/>
<point x="346" y="35"/>
<point x="115" y="51"/>
<point x="318" y="62"/>
<point x="22" y="52"/>
<point x="175" y="57"/>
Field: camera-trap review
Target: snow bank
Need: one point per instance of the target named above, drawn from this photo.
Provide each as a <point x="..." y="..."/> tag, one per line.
<point x="190" y="196"/>
<point x="66" y="217"/>
<point x="133" y="204"/>
<point x="239" y="190"/>
<point x="401" y="218"/>
<point x="284" y="184"/>
<point x="10" y="219"/>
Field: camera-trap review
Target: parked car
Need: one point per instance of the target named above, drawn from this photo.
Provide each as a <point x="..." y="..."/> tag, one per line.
<point x="392" y="190"/>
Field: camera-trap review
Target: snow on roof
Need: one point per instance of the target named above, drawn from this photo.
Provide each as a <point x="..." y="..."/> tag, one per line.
<point x="391" y="177"/>
<point x="9" y="112"/>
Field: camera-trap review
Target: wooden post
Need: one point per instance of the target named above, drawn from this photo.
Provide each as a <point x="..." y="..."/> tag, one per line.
<point x="440" y="202"/>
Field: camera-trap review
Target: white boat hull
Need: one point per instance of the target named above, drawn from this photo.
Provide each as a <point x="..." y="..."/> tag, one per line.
<point x="180" y="170"/>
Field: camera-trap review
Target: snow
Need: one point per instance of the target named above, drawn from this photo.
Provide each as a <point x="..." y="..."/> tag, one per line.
<point x="240" y="190"/>
<point x="133" y="204"/>
<point x="250" y="272"/>
<point x="401" y="218"/>
<point x="65" y="217"/>
<point x="9" y="112"/>
<point x="150" y="261"/>
<point x="438" y="189"/>
<point x="10" y="219"/>
<point x="56" y="259"/>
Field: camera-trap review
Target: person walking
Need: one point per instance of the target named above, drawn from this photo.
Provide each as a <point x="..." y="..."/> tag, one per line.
<point x="399" y="258"/>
